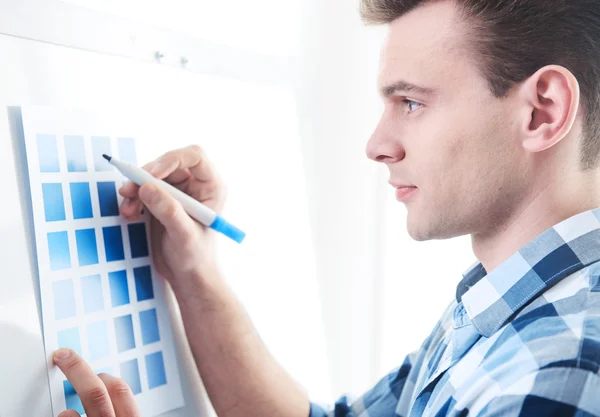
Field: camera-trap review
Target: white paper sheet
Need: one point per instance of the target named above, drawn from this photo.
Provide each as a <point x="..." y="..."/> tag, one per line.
<point x="100" y="293"/>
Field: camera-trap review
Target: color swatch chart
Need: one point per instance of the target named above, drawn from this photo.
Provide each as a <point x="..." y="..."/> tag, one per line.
<point x="100" y="293"/>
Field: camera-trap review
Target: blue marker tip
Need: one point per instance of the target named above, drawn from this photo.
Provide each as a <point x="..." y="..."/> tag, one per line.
<point x="229" y="230"/>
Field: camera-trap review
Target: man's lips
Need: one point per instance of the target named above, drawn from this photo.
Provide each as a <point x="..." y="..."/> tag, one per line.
<point x="404" y="192"/>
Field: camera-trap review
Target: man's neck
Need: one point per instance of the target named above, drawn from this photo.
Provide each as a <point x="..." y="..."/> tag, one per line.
<point x="542" y="210"/>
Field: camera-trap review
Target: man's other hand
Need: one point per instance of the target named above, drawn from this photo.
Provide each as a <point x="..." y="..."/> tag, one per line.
<point x="101" y="395"/>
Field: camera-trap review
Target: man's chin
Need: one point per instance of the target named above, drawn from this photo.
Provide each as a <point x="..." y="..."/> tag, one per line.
<point x="417" y="232"/>
<point x="419" y="236"/>
<point x="422" y="233"/>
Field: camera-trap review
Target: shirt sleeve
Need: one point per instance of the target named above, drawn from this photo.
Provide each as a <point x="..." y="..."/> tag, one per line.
<point x="558" y="391"/>
<point x="381" y="400"/>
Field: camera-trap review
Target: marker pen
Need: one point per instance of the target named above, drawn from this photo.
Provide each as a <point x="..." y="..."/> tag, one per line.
<point x="193" y="207"/>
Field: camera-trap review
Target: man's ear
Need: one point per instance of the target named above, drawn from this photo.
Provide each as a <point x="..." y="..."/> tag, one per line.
<point x="550" y="100"/>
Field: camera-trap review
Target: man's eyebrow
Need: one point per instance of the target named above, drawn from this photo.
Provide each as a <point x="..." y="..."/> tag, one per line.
<point x="404" y="86"/>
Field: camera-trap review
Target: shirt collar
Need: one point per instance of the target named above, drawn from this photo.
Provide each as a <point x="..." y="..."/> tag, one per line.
<point x="491" y="299"/>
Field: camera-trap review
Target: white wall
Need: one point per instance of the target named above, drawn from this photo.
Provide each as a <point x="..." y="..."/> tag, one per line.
<point x="268" y="27"/>
<point x="337" y="109"/>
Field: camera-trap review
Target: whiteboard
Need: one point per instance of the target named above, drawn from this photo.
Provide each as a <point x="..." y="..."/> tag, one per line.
<point x="53" y="75"/>
<point x="173" y="108"/>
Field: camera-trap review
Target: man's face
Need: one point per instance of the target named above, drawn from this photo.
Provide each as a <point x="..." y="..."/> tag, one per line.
<point x="442" y="129"/>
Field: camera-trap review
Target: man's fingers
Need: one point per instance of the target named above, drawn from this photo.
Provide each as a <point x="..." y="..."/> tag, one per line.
<point x="129" y="189"/>
<point x="69" y="413"/>
<point x="191" y="158"/>
<point x="89" y="387"/>
<point x="167" y="211"/>
<point x="131" y="208"/>
<point x="121" y="396"/>
<point x="174" y="167"/>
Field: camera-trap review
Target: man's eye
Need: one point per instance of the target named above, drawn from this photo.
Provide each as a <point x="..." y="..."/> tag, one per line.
<point x="412" y="105"/>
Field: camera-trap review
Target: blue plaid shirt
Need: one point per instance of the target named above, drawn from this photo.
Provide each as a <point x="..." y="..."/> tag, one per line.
<point x="523" y="340"/>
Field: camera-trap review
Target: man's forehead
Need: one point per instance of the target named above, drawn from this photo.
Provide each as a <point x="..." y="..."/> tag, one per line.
<point x="422" y="43"/>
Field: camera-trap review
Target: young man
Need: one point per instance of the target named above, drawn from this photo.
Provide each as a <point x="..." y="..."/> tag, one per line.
<point x="490" y="128"/>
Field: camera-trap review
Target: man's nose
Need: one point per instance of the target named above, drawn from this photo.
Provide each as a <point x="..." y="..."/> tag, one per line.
<point x="385" y="145"/>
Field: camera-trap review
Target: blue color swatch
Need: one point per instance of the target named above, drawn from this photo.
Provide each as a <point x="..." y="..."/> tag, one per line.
<point x="124" y="333"/>
<point x="58" y="248"/>
<point x="149" y="325"/>
<point x="72" y="399"/>
<point x="155" y="367"/>
<point x="54" y="204"/>
<point x="75" y="151"/>
<point x="48" y="153"/>
<point x="107" y="194"/>
<point x="69" y="338"/>
<point x="113" y="243"/>
<point x="101" y="145"/>
<point x="87" y="249"/>
<point x="64" y="299"/>
<point x="93" y="300"/>
<point x="81" y="200"/>
<point x="98" y="340"/>
<point x="119" y="291"/>
<point x="143" y="283"/>
<point x="138" y="240"/>
<point x="130" y="372"/>
<point x="127" y="150"/>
